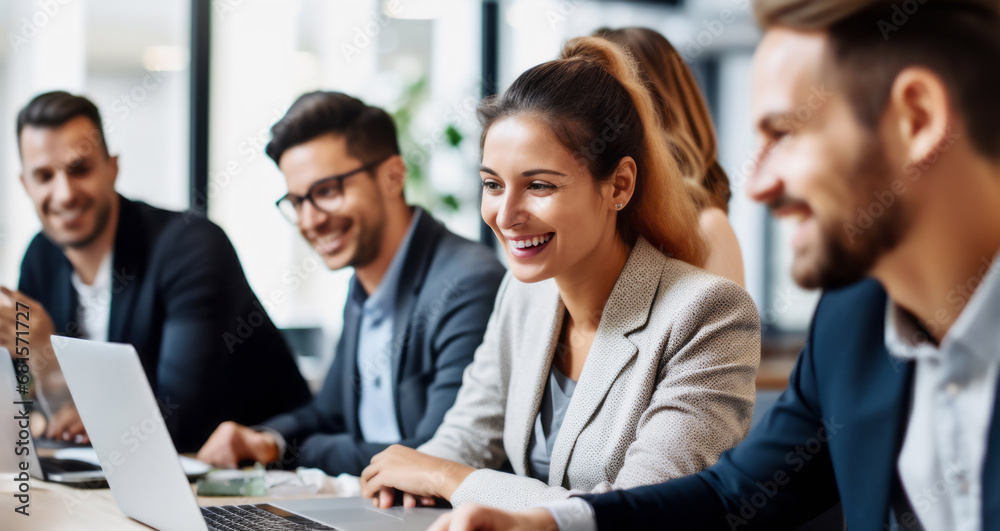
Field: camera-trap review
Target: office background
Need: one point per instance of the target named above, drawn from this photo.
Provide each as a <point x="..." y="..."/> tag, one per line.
<point x="189" y="89"/>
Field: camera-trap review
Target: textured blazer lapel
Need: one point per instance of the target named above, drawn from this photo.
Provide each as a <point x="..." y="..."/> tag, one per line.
<point x="627" y="309"/>
<point x="533" y="345"/>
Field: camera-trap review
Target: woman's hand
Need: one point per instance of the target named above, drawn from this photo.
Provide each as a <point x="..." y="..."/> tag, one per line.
<point x="414" y="473"/>
<point x="471" y="517"/>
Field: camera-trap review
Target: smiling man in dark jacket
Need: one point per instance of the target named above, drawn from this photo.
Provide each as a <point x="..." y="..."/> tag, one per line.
<point x="110" y="269"/>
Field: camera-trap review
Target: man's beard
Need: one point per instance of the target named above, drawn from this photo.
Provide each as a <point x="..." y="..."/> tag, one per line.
<point x="849" y="253"/>
<point x="369" y="244"/>
<point x="102" y="216"/>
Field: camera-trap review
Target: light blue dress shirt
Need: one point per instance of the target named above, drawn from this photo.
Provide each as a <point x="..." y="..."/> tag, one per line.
<point x="954" y="386"/>
<point x="377" y="406"/>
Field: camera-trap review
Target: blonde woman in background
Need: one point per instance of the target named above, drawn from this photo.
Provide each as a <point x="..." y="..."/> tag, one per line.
<point x="689" y="129"/>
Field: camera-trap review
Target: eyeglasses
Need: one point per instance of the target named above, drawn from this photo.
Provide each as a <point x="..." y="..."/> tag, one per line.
<point x="326" y="194"/>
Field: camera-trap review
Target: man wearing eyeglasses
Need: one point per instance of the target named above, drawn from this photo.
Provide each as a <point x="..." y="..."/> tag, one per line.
<point x="107" y="268"/>
<point x="417" y="307"/>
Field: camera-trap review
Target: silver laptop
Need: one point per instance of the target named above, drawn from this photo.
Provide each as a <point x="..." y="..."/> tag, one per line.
<point x="11" y="410"/>
<point x="140" y="462"/>
<point x="72" y="464"/>
<point x="73" y="472"/>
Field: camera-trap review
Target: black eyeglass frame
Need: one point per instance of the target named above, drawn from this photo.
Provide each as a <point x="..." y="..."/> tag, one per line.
<point x="338" y="178"/>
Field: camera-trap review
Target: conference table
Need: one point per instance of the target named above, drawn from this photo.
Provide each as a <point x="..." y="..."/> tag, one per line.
<point x="59" y="507"/>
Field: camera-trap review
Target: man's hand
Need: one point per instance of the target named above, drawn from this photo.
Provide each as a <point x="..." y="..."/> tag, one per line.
<point x="231" y="443"/>
<point x="32" y="319"/>
<point x="472" y="517"/>
<point x="66" y="425"/>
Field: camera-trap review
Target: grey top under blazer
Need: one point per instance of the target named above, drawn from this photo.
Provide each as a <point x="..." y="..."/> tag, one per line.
<point x="667" y="387"/>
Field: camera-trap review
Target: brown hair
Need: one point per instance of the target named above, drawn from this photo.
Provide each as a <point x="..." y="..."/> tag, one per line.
<point x="872" y="41"/>
<point x="594" y="101"/>
<point x="682" y="108"/>
<point x="54" y="109"/>
<point x="369" y="132"/>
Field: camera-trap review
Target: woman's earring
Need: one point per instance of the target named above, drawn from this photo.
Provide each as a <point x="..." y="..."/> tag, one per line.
<point x="619" y="206"/>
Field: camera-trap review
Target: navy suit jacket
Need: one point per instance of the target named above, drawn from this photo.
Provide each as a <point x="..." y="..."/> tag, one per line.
<point x="834" y="435"/>
<point x="180" y="297"/>
<point x="444" y="299"/>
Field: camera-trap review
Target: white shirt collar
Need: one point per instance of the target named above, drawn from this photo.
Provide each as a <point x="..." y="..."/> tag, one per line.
<point x="102" y="281"/>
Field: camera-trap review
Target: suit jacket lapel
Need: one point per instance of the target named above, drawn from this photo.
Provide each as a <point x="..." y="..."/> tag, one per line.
<point x="349" y="350"/>
<point x="65" y="301"/>
<point x="532" y="355"/>
<point x="882" y="391"/>
<point x="417" y="261"/>
<point x="889" y="431"/>
<point x="627" y="309"/>
<point x="127" y="268"/>
<point x="991" y="470"/>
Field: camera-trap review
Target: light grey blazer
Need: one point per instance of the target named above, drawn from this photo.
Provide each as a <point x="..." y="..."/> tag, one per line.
<point x="668" y="385"/>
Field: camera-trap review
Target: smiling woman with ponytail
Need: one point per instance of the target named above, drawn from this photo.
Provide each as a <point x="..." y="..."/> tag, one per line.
<point x="611" y="359"/>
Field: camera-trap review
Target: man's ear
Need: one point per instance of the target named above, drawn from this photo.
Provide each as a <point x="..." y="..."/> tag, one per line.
<point x="113" y="161"/>
<point x="394" y="172"/>
<point x="921" y="107"/>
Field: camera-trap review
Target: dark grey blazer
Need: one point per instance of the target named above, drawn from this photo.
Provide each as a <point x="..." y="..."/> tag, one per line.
<point x="443" y="303"/>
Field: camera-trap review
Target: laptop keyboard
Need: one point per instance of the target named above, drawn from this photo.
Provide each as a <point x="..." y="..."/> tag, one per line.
<point x="252" y="518"/>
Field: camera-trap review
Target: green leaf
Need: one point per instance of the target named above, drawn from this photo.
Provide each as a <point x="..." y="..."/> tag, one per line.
<point x="453" y="135"/>
<point x="450" y="201"/>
